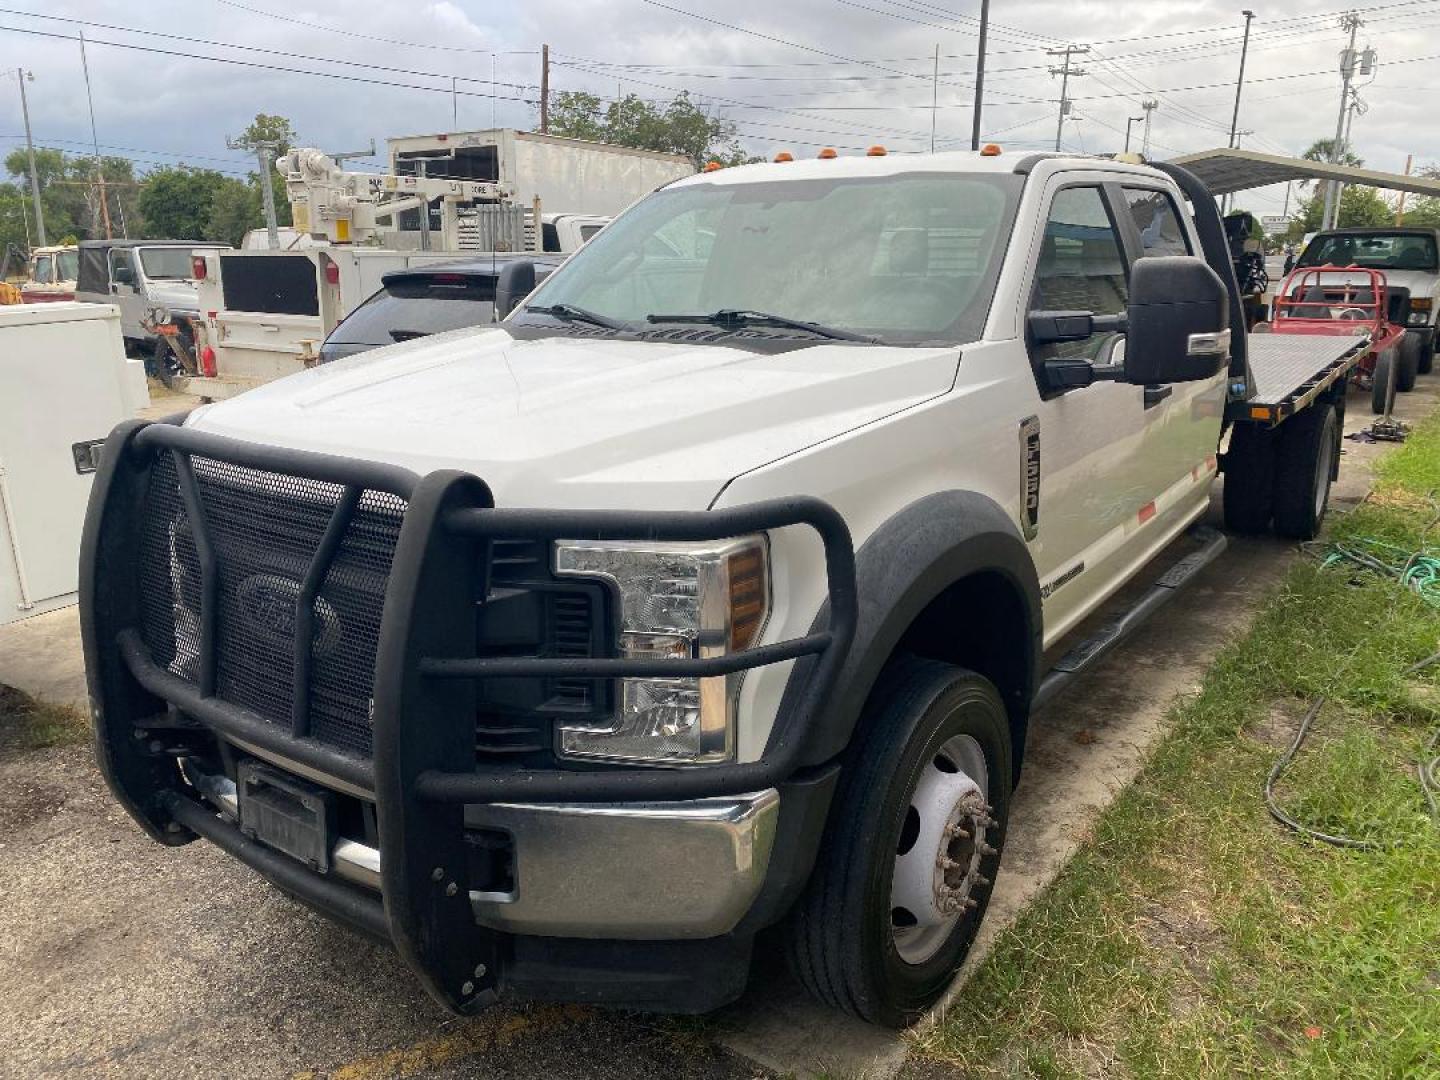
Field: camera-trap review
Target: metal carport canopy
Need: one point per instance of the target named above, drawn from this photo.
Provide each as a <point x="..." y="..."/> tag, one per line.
<point x="1227" y="171"/>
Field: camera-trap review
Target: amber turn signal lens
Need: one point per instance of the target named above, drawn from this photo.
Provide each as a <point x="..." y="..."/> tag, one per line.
<point x="748" y="596"/>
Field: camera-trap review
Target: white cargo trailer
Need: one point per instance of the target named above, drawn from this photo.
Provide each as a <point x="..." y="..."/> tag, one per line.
<point x="569" y="175"/>
<point x="64" y="384"/>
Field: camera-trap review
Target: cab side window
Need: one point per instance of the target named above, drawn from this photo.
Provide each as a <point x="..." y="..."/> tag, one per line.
<point x="1082" y="268"/>
<point x="1157" y="223"/>
<point x="122" y="269"/>
<point x="42" y="270"/>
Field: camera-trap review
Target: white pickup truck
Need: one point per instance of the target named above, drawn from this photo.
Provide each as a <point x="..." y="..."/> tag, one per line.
<point x="708" y="594"/>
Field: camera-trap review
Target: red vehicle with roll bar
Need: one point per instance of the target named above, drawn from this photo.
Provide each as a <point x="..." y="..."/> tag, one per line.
<point x="1360" y="304"/>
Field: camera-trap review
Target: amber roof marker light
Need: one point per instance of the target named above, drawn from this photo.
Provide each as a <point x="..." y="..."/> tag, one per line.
<point x="990" y="150"/>
<point x="876" y="151"/>
<point x="784" y="155"/>
<point x="827" y="154"/>
<point x="713" y="166"/>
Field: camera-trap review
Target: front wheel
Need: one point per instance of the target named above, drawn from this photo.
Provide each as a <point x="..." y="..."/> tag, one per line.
<point x="1382" y="384"/>
<point x="913" y="842"/>
<point x="1408" y="365"/>
<point x="1427" y="354"/>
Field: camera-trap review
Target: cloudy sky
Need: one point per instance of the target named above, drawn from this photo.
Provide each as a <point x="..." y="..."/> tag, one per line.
<point x="799" y="74"/>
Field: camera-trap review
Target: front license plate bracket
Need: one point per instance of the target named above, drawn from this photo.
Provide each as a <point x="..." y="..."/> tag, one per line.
<point x="287" y="814"/>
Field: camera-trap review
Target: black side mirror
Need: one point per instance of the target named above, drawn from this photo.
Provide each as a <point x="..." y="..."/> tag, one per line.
<point x="516" y="281"/>
<point x="1179" y="318"/>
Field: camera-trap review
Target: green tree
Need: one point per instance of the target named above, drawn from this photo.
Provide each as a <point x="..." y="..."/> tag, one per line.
<point x="234" y="211"/>
<point x="71" y="200"/>
<point x="1321" y="149"/>
<point x="277" y="131"/>
<point x="1360" y="208"/>
<point x="177" y="202"/>
<point x="680" y="127"/>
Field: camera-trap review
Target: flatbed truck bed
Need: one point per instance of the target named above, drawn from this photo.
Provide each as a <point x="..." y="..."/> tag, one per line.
<point x="1289" y="372"/>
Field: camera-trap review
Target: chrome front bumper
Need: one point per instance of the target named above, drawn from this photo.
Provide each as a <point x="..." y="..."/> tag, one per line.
<point x="639" y="871"/>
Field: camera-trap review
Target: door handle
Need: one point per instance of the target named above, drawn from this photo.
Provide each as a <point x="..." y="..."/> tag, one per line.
<point x="1154" y="395"/>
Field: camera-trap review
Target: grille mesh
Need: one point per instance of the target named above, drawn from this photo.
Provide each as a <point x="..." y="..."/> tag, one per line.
<point x="265" y="528"/>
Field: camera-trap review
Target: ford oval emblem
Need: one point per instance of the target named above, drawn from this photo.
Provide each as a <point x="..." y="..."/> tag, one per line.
<point x="268" y="605"/>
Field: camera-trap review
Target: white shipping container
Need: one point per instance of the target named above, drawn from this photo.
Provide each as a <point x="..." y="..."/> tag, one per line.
<point x="567" y="175"/>
<point x="64" y="384"/>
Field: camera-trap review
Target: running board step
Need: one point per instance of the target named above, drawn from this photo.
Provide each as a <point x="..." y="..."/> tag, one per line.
<point x="1090" y="651"/>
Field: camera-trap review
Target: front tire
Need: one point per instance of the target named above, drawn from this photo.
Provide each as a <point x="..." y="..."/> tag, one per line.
<point x="911" y="846"/>
<point x="1427" y="354"/>
<point x="1382" y="383"/>
<point x="1409" y="363"/>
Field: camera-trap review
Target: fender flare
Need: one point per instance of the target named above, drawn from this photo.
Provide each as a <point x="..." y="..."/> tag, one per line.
<point x="904" y="565"/>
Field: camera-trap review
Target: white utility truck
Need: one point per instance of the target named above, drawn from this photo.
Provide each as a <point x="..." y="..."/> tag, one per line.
<point x="263" y="313"/>
<point x="706" y="595"/>
<point x="64" y="383"/>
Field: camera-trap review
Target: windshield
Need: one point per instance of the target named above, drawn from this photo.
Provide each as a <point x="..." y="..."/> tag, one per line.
<point x="412" y="309"/>
<point x="166" y="262"/>
<point x="1375" y="251"/>
<point x="904" y="259"/>
<point x="67" y="265"/>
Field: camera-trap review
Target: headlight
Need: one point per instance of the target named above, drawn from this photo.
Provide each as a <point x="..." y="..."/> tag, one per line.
<point x="1420" y="311"/>
<point x="676" y="600"/>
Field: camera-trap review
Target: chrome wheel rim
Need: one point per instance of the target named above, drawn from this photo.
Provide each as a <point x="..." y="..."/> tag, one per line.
<point x="1322" y="478"/>
<point x="942" y="841"/>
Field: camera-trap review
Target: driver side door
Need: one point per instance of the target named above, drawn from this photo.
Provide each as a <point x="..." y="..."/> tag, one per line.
<point x="1099" y="480"/>
<point x="125" y="291"/>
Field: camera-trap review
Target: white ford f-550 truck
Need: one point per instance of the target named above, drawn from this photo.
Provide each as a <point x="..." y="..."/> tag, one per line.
<point x="707" y="595"/>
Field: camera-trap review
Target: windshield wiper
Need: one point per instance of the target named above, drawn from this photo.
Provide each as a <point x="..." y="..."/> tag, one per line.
<point x="735" y="319"/>
<point x="571" y="313"/>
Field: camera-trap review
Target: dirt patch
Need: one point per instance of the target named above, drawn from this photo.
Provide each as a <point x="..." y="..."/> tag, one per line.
<point x="1182" y="930"/>
<point x="1276" y="729"/>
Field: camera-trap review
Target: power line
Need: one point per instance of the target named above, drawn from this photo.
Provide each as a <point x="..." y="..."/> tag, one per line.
<point x="266" y="67"/>
<point x="372" y="37"/>
<point x="255" y="49"/>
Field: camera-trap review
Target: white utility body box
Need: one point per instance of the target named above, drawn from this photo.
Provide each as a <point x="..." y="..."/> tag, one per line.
<point x="64" y="384"/>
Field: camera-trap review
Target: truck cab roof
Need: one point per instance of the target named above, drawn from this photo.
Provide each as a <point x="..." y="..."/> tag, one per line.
<point x="956" y="161"/>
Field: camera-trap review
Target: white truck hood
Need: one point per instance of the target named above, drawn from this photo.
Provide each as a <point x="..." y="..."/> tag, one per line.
<point x="173" y="293"/>
<point x="584" y="422"/>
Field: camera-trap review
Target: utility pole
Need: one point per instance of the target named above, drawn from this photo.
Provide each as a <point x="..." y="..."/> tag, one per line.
<point x="934" y="97"/>
<point x="21" y="75"/>
<point x="1065" y="71"/>
<point x="455" y="106"/>
<point x="1399" y="206"/>
<point x="1229" y="200"/>
<point x="265" y="159"/>
<point x="544" y="89"/>
<point x="1128" y="121"/>
<point x="95" y="139"/>
<point x="1240" y="80"/>
<point x="1352" y="22"/>
<point x="980" y="75"/>
<point x="1149" y="105"/>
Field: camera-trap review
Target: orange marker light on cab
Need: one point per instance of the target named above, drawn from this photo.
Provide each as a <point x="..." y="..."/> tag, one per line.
<point x="876" y="151"/>
<point x="827" y="153"/>
<point x="713" y="166"/>
<point x="784" y="155"/>
<point x="990" y="150"/>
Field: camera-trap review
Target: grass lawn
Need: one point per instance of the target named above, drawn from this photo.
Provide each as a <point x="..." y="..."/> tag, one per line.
<point x="28" y="724"/>
<point x="1192" y="936"/>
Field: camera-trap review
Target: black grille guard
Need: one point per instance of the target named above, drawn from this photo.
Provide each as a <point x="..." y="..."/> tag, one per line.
<point x="424" y="690"/>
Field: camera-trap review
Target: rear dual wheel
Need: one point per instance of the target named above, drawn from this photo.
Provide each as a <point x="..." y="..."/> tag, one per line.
<point x="1282" y="475"/>
<point x="913" y="841"/>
